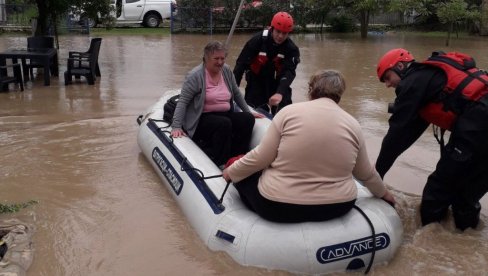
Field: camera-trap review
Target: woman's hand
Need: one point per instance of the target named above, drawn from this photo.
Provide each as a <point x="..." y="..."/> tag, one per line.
<point x="388" y="197"/>
<point x="257" y="115"/>
<point x="177" y="132"/>
<point x="226" y="176"/>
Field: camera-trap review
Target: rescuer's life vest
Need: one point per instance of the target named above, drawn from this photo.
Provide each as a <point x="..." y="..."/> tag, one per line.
<point x="465" y="83"/>
<point x="262" y="58"/>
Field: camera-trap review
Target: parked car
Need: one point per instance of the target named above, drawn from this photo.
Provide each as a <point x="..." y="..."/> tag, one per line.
<point x="149" y="13"/>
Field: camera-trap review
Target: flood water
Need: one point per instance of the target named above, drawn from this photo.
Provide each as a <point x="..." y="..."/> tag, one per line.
<point x="103" y="211"/>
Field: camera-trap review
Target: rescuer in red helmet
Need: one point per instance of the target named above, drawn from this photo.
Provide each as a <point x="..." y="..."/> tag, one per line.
<point x="449" y="92"/>
<point x="269" y="60"/>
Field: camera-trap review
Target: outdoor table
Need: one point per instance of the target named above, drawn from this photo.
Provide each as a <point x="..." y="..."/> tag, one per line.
<point x="46" y="56"/>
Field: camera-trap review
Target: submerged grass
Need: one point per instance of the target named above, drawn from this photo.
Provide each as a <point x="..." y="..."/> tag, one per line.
<point x="15" y="207"/>
<point x="130" y="31"/>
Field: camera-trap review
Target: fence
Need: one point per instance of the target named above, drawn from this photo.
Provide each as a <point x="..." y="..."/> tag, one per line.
<point x="17" y="16"/>
<point x="210" y="20"/>
<point x="23" y="17"/>
<point x="393" y="19"/>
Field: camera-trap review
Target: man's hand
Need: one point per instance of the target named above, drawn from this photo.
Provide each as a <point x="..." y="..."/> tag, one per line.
<point x="275" y="100"/>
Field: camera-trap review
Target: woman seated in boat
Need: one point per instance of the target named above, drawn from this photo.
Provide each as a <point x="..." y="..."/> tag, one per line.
<point x="205" y="110"/>
<point x="305" y="165"/>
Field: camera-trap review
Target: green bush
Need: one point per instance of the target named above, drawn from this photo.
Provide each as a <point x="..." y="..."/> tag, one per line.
<point x="342" y="24"/>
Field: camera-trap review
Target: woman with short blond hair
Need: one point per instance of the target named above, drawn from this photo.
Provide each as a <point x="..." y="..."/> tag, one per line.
<point x="305" y="166"/>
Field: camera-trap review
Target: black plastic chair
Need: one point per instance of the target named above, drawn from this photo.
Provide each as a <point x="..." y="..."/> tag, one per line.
<point x="35" y="43"/>
<point x="74" y="54"/>
<point x="5" y="79"/>
<point x="84" y="64"/>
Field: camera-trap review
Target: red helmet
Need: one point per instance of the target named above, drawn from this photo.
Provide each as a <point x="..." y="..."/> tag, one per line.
<point x="282" y="21"/>
<point x="391" y="58"/>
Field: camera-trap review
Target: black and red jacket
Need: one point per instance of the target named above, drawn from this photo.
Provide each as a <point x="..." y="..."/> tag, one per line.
<point x="424" y="96"/>
<point x="265" y="61"/>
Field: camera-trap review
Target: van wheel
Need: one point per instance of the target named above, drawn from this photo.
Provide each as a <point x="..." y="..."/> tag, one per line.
<point x="151" y="20"/>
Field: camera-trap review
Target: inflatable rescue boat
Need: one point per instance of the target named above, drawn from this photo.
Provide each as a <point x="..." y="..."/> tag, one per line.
<point x="368" y="235"/>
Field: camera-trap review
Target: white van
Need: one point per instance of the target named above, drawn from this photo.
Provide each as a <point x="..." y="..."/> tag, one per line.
<point x="149" y="13"/>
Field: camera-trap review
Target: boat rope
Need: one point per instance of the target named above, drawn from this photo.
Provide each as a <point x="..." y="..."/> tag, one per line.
<point x="191" y="168"/>
<point x="223" y="193"/>
<point x="373" y="235"/>
<point x="185" y="160"/>
<point x="439" y="135"/>
<point x="158" y="120"/>
<point x="170" y="137"/>
<point x="200" y="173"/>
<point x="203" y="177"/>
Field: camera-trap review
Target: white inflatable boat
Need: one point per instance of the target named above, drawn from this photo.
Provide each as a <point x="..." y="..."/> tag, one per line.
<point x="366" y="236"/>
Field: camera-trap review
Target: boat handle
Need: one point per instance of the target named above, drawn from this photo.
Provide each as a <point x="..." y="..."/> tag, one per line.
<point x="139" y="119"/>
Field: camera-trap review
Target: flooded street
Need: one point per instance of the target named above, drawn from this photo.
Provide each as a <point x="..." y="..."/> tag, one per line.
<point x="102" y="210"/>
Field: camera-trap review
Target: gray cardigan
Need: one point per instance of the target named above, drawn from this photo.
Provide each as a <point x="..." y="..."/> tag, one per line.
<point x="192" y="98"/>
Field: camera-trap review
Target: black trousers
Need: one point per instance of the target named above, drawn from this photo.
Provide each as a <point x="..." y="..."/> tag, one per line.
<point x="259" y="89"/>
<point x="460" y="179"/>
<point x="286" y="212"/>
<point x="222" y="135"/>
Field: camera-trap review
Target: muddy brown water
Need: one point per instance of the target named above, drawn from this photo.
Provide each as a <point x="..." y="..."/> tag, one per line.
<point x="103" y="211"/>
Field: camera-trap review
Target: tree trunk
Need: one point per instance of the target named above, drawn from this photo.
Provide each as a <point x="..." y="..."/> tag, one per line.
<point x="42" y="20"/>
<point x="54" y="19"/>
<point x="484" y="18"/>
<point x="448" y="40"/>
<point x="364" y="21"/>
<point x="322" y="22"/>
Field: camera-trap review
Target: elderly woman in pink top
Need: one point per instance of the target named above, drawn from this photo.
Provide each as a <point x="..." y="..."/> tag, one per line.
<point x="206" y="112"/>
<point x="305" y="165"/>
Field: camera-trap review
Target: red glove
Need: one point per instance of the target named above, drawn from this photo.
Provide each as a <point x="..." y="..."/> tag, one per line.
<point x="232" y="160"/>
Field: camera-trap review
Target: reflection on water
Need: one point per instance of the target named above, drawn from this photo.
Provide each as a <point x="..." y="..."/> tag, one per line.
<point x="103" y="211"/>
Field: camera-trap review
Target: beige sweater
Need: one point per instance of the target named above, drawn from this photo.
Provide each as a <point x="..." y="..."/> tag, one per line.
<point x="309" y="155"/>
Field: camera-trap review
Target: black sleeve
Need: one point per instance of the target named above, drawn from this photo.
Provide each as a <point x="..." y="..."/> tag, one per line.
<point x="405" y="124"/>
<point x="243" y="62"/>
<point x="290" y="63"/>
<point x="396" y="141"/>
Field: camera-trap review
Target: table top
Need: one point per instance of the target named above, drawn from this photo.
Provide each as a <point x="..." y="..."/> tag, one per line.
<point x="29" y="52"/>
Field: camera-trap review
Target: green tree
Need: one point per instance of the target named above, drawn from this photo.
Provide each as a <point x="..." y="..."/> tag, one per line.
<point x="50" y="12"/>
<point x="362" y="10"/>
<point x="420" y="8"/>
<point x="318" y="11"/>
<point x="453" y="12"/>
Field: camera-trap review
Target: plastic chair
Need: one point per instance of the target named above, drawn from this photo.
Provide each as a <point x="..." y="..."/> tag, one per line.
<point x="35" y="43"/>
<point x="74" y="54"/>
<point x="5" y="79"/>
<point x="83" y="64"/>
